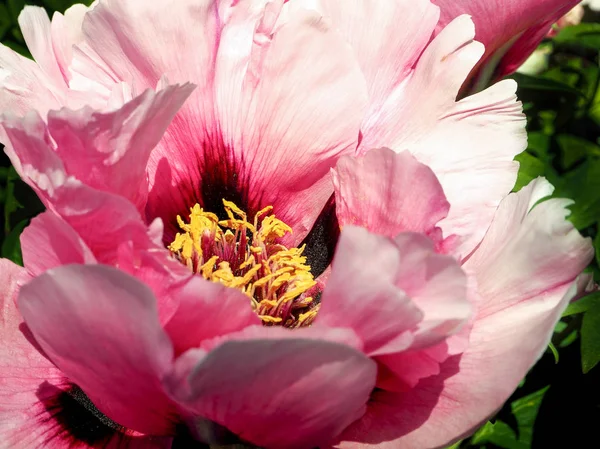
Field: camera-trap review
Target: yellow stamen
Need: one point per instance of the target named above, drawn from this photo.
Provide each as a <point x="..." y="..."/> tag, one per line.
<point x="247" y="256"/>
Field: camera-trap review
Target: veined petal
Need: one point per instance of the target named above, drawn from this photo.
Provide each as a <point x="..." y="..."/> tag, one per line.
<point x="293" y="133"/>
<point x="556" y="253"/>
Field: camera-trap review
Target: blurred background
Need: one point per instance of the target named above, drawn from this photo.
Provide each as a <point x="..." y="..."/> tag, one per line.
<point x="558" y="404"/>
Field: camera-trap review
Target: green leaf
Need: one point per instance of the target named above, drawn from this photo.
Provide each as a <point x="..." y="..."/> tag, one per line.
<point x="500" y="434"/>
<point x="583" y="305"/>
<point x="538" y="144"/>
<point x="594" y="109"/>
<point x="582" y="35"/>
<point x="538" y="83"/>
<point x="582" y="185"/>
<point x="590" y="338"/>
<point x="11" y="247"/>
<point x="530" y="167"/>
<point x="574" y="148"/>
<point x="554" y="351"/>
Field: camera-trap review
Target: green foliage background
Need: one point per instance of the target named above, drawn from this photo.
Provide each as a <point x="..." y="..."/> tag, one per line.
<point x="558" y="404"/>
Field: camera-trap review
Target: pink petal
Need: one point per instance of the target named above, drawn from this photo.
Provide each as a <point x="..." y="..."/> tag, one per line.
<point x="516" y="317"/>
<point x="411" y="298"/>
<point x="385" y="52"/>
<point x="31" y="387"/>
<point x="22" y="367"/>
<point x="556" y="253"/>
<point x="364" y="297"/>
<point x="250" y="106"/>
<point x="66" y="31"/>
<point x="49" y="242"/>
<point x="36" y="29"/>
<point x="293" y="134"/>
<point x="277" y="390"/>
<point x="403" y="371"/>
<point x="28" y="146"/>
<point x="276" y="143"/>
<point x="437" y="285"/>
<point x="108" y="224"/>
<point x="142" y="55"/>
<point x="109" y="151"/>
<point x="24" y="86"/>
<point x="207" y="310"/>
<point x="469" y="145"/>
<point x="388" y="193"/>
<point x="113" y="348"/>
<point x="510" y="30"/>
<point x="470" y="388"/>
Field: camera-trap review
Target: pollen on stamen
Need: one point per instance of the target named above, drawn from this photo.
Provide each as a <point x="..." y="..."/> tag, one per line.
<point x="247" y="256"/>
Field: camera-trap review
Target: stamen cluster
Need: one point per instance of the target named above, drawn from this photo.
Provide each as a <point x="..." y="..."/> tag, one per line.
<point x="247" y="256"/>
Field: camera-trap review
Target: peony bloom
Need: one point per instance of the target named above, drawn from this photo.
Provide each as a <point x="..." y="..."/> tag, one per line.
<point x="268" y="222"/>
<point x="510" y="30"/>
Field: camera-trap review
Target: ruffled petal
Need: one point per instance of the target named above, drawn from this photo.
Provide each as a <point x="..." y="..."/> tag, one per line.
<point x="294" y="131"/>
<point x="276" y="388"/>
<point x="556" y="253"/>
<point x="273" y="143"/>
<point x="108" y="224"/>
<point x="113" y="348"/>
<point x="23" y="86"/>
<point x="109" y="151"/>
<point x="469" y="144"/>
<point x="516" y="316"/>
<point x="66" y="32"/>
<point x="410" y="298"/>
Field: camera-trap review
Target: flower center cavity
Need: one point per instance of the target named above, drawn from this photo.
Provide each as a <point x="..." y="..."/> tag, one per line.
<point x="247" y="256"/>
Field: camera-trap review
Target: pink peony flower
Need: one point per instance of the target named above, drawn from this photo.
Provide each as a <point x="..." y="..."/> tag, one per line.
<point x="245" y="257"/>
<point x="510" y="30"/>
